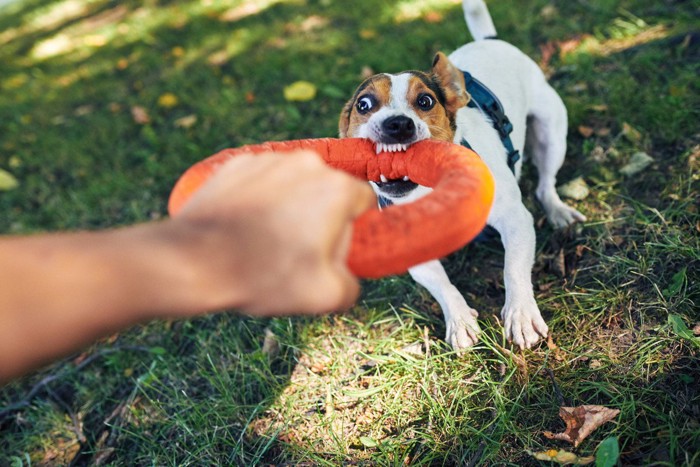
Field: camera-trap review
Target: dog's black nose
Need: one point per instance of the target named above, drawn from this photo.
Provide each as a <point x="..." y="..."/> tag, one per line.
<point x="399" y="129"/>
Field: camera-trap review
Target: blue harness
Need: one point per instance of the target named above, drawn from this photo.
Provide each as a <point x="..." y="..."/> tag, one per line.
<point x="487" y="102"/>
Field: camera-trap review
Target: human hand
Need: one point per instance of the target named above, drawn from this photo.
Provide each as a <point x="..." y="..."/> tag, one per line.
<point x="269" y="234"/>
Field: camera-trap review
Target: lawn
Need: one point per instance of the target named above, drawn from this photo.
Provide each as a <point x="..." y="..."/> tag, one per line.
<point x="104" y="104"/>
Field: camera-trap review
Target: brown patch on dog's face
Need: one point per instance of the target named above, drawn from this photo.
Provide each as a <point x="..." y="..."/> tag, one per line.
<point x="369" y="97"/>
<point x="427" y="100"/>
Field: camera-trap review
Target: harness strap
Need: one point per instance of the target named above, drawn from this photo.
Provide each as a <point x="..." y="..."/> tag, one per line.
<point x="485" y="100"/>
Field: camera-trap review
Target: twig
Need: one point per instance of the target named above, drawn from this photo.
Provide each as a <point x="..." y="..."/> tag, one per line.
<point x="75" y="419"/>
<point x="63" y="371"/>
<point x="557" y="391"/>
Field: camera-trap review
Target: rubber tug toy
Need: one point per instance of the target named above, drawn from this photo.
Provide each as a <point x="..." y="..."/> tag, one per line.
<point x="388" y="241"/>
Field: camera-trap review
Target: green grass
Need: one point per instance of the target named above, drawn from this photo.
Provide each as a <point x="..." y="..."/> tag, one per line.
<point x="376" y="386"/>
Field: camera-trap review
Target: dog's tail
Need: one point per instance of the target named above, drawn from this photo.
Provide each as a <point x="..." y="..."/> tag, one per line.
<point x="478" y="19"/>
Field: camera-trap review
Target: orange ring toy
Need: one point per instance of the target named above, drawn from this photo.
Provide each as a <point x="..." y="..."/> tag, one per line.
<point x="389" y="241"/>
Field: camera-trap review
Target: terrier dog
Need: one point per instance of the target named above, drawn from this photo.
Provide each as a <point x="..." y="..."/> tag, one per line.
<point x="397" y="110"/>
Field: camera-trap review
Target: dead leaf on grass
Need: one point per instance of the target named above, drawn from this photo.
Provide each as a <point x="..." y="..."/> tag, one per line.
<point x="638" y="162"/>
<point x="187" y="121"/>
<point x="585" y="131"/>
<point x="576" y="189"/>
<point x="632" y="134"/>
<point x="271" y="346"/>
<point x="300" y="91"/>
<point x="562" y="457"/>
<point x="140" y="115"/>
<point x="7" y="181"/>
<point x="581" y="421"/>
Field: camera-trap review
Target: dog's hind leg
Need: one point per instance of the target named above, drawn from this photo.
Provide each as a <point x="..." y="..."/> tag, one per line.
<point x="460" y="319"/>
<point x="547" y="142"/>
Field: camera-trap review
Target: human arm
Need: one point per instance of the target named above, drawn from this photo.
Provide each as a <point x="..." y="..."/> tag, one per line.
<point x="268" y="235"/>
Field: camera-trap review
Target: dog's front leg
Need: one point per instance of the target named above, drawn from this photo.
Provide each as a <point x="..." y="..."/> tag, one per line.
<point x="460" y="319"/>
<point x="521" y="316"/>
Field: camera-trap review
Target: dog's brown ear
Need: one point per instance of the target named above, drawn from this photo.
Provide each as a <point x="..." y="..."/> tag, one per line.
<point x="451" y="80"/>
<point x="344" y="121"/>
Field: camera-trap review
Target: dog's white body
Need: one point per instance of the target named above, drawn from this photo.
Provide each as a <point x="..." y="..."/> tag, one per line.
<point x="527" y="99"/>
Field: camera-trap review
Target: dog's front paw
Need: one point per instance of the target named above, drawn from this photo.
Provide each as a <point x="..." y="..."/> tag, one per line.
<point x="523" y="324"/>
<point x="463" y="330"/>
<point x="561" y="215"/>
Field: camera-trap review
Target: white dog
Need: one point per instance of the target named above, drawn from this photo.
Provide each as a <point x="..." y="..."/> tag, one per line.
<point x="396" y="110"/>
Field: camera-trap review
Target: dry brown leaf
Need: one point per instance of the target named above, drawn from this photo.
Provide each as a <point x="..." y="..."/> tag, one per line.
<point x="187" y="121"/>
<point x="631" y="133"/>
<point x="581" y="421"/>
<point x="562" y="457"/>
<point x="271" y="346"/>
<point x="140" y="115"/>
<point x="585" y="131"/>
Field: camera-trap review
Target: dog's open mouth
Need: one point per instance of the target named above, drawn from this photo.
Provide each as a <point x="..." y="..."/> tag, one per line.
<point x="397" y="187"/>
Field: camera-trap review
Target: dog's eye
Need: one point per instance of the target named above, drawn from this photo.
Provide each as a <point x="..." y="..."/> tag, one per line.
<point x="425" y="102"/>
<point x="365" y="104"/>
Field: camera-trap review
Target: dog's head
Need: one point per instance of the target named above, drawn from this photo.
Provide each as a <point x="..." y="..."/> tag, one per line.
<point x="397" y="110"/>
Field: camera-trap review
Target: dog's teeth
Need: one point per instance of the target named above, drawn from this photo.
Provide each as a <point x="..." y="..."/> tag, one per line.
<point x="405" y="178"/>
<point x="383" y="178"/>
<point x="404" y="147"/>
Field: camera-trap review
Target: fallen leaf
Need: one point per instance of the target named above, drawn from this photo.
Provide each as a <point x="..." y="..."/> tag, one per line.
<point x="638" y="162"/>
<point x="575" y="189"/>
<point x="559" y="263"/>
<point x="250" y="97"/>
<point x="140" y="115"/>
<point x="549" y="12"/>
<point x="547" y="51"/>
<point x="433" y="17"/>
<point x="579" y="87"/>
<point x="585" y="131"/>
<point x="300" y="91"/>
<point x="582" y="421"/>
<point x="562" y="457"/>
<point x="271" y="346"/>
<point x="368" y="34"/>
<point x="186" y="122"/>
<point x="168" y="100"/>
<point x="7" y="181"/>
<point x="631" y="133"/>
<point x="14" y="162"/>
<point x="83" y="110"/>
